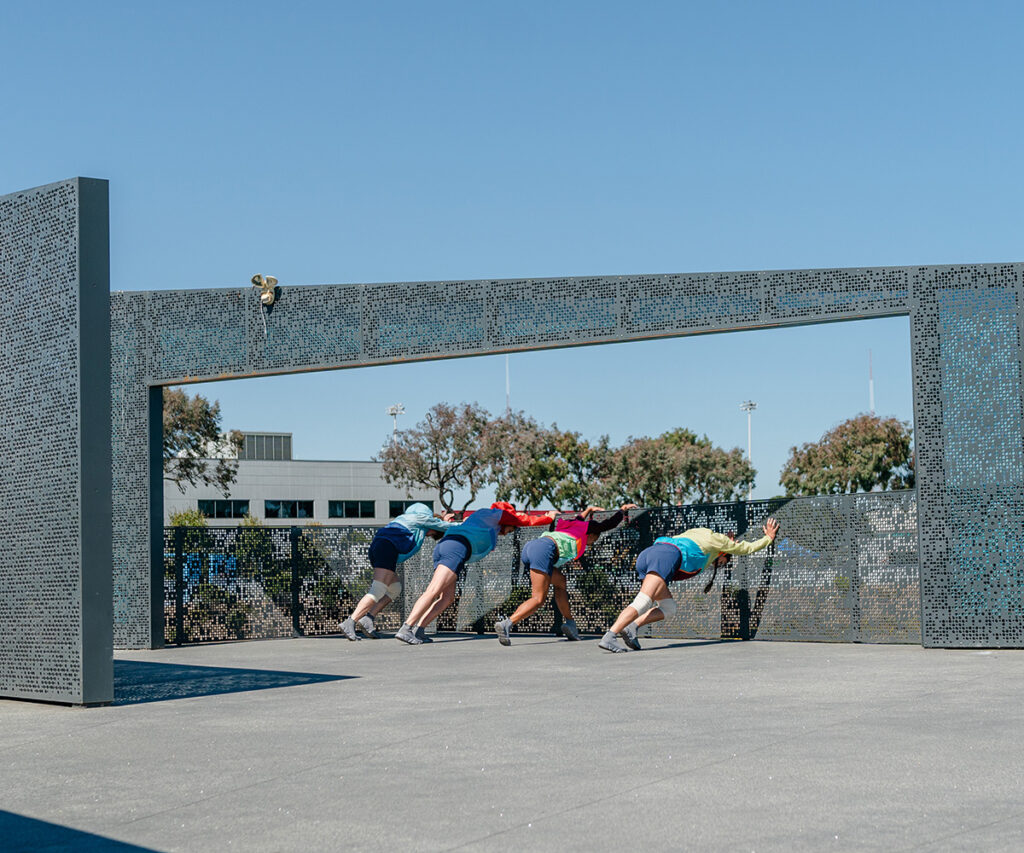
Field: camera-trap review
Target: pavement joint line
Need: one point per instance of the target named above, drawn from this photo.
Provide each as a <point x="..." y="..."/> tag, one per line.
<point x="931" y="841"/>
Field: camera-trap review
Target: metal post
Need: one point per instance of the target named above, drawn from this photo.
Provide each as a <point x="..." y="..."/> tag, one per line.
<point x="296" y="603"/>
<point x="179" y="585"/>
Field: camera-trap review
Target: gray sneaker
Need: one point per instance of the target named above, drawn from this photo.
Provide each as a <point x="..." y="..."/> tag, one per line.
<point x="348" y="628"/>
<point x="570" y="630"/>
<point x="366" y="626"/>
<point x="628" y="636"/>
<point x="503" y="628"/>
<point x="422" y="636"/>
<point x="407" y="635"/>
<point x="610" y="643"/>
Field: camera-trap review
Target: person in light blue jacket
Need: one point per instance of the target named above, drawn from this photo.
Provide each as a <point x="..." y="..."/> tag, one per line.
<point x="392" y="544"/>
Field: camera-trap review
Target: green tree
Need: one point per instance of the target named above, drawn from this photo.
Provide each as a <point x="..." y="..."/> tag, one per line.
<point x="674" y="468"/>
<point x="194" y="449"/>
<point x="188" y="518"/>
<point x="445" y="451"/>
<point x="532" y="463"/>
<point x="862" y="454"/>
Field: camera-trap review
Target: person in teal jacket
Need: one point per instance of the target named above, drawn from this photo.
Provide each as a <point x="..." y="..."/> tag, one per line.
<point x="393" y="544"/>
<point x="673" y="558"/>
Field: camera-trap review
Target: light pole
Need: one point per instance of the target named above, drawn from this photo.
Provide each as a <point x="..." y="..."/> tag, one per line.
<point x="395" y="411"/>
<point x="748" y="406"/>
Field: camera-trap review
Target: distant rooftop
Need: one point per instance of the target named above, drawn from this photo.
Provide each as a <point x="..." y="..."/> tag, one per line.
<point x="276" y="446"/>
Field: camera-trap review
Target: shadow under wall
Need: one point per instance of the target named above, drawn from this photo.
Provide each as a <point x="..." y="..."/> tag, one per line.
<point x="20" y="833"/>
<point x="136" y="682"/>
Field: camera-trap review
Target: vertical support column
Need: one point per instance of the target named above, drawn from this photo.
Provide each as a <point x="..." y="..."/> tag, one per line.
<point x="156" y="517"/>
<point x="56" y="643"/>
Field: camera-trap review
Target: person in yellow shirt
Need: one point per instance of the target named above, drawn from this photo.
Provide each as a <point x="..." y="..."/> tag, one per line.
<point x="673" y="558"/>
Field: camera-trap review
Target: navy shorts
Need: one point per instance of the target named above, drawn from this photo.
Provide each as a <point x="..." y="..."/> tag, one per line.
<point x="452" y="553"/>
<point x="540" y="555"/>
<point x="661" y="558"/>
<point x="383" y="554"/>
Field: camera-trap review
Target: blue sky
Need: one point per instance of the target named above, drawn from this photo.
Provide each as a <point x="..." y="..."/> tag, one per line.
<point x="364" y="142"/>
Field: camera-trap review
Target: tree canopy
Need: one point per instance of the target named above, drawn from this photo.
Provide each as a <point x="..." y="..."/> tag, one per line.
<point x="194" y="449"/>
<point x="464" y="448"/>
<point x="445" y="451"/>
<point x="862" y="454"/>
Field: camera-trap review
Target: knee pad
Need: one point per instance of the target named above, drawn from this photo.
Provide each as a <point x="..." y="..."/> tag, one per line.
<point x="668" y="606"/>
<point x="378" y="590"/>
<point x="642" y="603"/>
<point x="394" y="590"/>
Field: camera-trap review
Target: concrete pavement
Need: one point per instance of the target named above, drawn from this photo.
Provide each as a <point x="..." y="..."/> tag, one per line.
<point x="547" y="745"/>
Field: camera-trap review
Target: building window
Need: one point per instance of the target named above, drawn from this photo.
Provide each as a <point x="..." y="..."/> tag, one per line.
<point x="396" y="508"/>
<point x="351" y="509"/>
<point x="224" y="509"/>
<point x="288" y="509"/>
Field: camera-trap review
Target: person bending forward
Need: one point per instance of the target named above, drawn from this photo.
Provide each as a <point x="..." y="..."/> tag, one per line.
<point x="673" y="558"/>
<point x="468" y="542"/>
<point x="545" y="557"/>
<point x="394" y="543"/>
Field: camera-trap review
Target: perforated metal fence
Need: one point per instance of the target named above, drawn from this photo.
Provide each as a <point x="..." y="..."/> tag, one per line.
<point x="843" y="569"/>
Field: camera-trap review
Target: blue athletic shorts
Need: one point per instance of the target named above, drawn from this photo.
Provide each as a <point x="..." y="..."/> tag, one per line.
<point x="540" y="555"/>
<point x="383" y="554"/>
<point x="452" y="553"/>
<point x="661" y="558"/>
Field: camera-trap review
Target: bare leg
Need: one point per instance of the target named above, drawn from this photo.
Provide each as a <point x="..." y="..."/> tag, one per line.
<point x="380" y="605"/>
<point x="444" y="578"/>
<point x="561" y="594"/>
<point x="438" y="607"/>
<point x="652" y="615"/>
<point x="367" y="604"/>
<point x="539" y="583"/>
<point x="652" y="586"/>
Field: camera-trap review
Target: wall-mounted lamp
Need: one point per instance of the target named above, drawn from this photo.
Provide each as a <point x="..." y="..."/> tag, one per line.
<point x="266" y="284"/>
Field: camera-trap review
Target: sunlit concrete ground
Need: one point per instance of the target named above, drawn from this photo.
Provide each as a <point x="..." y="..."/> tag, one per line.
<point x="322" y="744"/>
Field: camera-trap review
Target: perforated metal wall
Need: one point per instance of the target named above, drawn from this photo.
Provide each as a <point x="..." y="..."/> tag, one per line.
<point x="55" y="598"/>
<point x="966" y="352"/>
<point x="844" y="569"/>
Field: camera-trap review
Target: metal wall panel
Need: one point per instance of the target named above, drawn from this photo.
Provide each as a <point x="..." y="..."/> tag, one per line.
<point x="55" y="582"/>
<point x="965" y="345"/>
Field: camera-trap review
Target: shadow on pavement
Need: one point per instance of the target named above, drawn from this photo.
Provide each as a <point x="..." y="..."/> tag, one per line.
<point x="21" y="833"/>
<point x="136" y="682"/>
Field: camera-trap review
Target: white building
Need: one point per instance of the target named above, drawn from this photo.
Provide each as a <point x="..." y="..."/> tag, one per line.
<point x="279" y="490"/>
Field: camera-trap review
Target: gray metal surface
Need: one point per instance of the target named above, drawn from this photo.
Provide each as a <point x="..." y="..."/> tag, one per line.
<point x="843" y="569"/>
<point x="965" y="347"/>
<point x="55" y="580"/>
<point x="321" y="744"/>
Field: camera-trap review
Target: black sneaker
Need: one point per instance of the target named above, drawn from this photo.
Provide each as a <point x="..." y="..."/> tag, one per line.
<point x="570" y="630"/>
<point x="421" y="635"/>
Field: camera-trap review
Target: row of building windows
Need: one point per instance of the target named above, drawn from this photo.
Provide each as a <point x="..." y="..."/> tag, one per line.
<point x="303" y="509"/>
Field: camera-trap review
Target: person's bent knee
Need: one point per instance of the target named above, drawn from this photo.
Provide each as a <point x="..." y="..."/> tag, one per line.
<point x="377" y="591"/>
<point x="642" y="603"/>
<point x="668" y="606"/>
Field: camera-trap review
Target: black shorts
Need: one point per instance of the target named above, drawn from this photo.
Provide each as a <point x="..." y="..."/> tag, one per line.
<point x="383" y="554"/>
